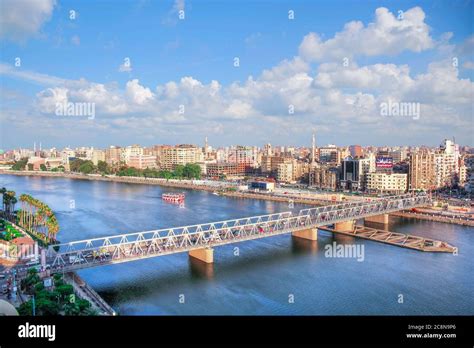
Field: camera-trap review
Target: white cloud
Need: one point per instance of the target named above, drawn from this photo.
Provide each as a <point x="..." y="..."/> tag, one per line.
<point x="387" y="35"/>
<point x="326" y="95"/>
<point x="138" y="94"/>
<point x="24" y="18"/>
<point x="37" y="78"/>
<point x="48" y="99"/>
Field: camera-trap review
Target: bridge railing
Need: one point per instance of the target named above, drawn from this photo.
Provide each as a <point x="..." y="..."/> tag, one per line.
<point x="142" y="244"/>
<point x="108" y="240"/>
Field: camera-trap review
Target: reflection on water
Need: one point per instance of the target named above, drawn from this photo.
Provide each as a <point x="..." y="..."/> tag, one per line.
<point x="201" y="270"/>
<point x="259" y="278"/>
<point x="304" y="246"/>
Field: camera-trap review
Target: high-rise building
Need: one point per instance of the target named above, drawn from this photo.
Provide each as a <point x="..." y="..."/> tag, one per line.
<point x="353" y="173"/>
<point x="113" y="155"/>
<point x="97" y="155"/>
<point x="180" y="155"/>
<point x="421" y="171"/>
<point x="285" y="171"/>
<point x="324" y="177"/>
<point x="127" y="152"/>
<point x="328" y="154"/>
<point x="243" y="154"/>
<point x="142" y="161"/>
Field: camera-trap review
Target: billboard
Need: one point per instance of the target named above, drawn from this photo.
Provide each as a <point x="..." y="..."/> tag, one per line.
<point x="383" y="162"/>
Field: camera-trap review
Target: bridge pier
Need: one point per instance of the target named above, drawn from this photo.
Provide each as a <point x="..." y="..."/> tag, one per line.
<point x="345" y="226"/>
<point x="205" y="254"/>
<point x="380" y="219"/>
<point x="310" y="234"/>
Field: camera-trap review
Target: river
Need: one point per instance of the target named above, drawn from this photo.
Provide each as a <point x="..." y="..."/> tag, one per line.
<point x="271" y="276"/>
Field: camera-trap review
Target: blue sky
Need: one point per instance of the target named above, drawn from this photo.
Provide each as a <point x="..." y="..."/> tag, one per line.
<point x="64" y="60"/>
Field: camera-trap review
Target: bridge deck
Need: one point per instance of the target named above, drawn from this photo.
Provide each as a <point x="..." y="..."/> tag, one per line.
<point x="134" y="246"/>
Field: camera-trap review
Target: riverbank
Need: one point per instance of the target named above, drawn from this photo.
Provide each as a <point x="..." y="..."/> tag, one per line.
<point x="221" y="188"/>
<point x="431" y="217"/>
<point x="85" y="292"/>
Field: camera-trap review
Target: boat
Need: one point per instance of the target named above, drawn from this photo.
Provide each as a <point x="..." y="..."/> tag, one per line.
<point x="173" y="197"/>
<point x="215" y="193"/>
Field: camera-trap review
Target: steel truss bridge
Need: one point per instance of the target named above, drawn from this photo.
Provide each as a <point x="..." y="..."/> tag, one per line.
<point x="140" y="245"/>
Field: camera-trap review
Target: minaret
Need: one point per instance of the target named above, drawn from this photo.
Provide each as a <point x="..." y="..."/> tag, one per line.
<point x="313" y="151"/>
<point x="34" y="146"/>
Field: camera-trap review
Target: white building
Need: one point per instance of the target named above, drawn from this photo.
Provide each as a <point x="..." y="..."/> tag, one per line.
<point x="387" y="183"/>
<point x="129" y="151"/>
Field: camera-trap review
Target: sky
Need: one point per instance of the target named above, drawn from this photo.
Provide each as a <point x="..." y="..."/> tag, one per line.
<point x="239" y="72"/>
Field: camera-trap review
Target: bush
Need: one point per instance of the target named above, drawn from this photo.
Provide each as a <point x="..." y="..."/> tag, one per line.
<point x="65" y="290"/>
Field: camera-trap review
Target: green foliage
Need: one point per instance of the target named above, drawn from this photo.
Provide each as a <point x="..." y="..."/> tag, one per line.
<point x="58" y="169"/>
<point x="83" y="304"/>
<point x="189" y="171"/>
<point x="178" y="171"/>
<point x="103" y="167"/>
<point x="39" y="287"/>
<point x="20" y="165"/>
<point x="192" y="171"/>
<point x="54" y="302"/>
<point x="87" y="167"/>
<point x="65" y="290"/>
<point x="26" y="308"/>
<point x="45" y="306"/>
<point x="31" y="280"/>
<point x="71" y="309"/>
<point x="43" y="167"/>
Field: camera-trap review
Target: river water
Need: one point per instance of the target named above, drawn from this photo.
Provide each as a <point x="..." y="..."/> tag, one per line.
<point x="271" y="276"/>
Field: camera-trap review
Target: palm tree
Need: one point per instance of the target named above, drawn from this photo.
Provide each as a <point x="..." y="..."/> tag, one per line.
<point x="38" y="218"/>
<point x="3" y="190"/>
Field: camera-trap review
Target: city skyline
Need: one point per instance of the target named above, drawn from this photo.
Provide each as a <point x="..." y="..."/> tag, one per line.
<point x="37" y="145"/>
<point x="183" y="70"/>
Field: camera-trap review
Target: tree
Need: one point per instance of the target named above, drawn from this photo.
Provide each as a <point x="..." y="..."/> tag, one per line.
<point x="45" y="306"/>
<point x="65" y="290"/>
<point x="43" y="167"/>
<point x="192" y="171"/>
<point x="26" y="308"/>
<point x="9" y="201"/>
<point x="20" y="165"/>
<point x="179" y="171"/>
<point x="71" y="309"/>
<point x="87" y="167"/>
<point x="102" y="167"/>
<point x="83" y="304"/>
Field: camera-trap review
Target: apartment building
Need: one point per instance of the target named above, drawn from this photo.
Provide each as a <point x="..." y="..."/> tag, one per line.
<point x="180" y="155"/>
<point x="387" y="182"/>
